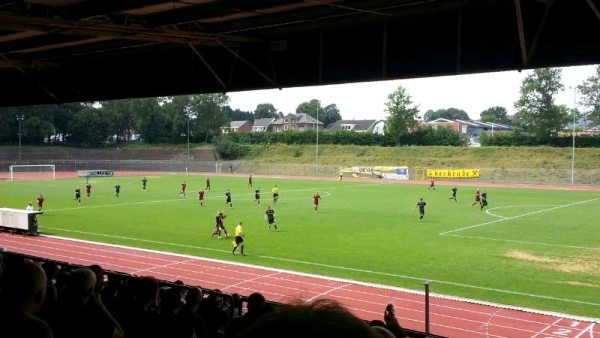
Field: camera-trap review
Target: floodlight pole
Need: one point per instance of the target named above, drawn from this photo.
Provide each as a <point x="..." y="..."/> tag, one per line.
<point x="317" y="150"/>
<point x="20" y="119"/>
<point x="573" y="134"/>
<point x="188" y="136"/>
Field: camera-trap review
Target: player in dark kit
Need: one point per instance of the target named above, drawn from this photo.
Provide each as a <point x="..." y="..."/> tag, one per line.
<point x="270" y="216"/>
<point x="88" y="190"/>
<point x="431" y="186"/>
<point x="78" y="195"/>
<point x="421" y="204"/>
<point x="250" y="181"/>
<point x="144" y="183"/>
<point x="201" y="197"/>
<point x="117" y="190"/>
<point x="257" y="195"/>
<point x="40" y="202"/>
<point x="228" y="198"/>
<point x="183" y="186"/>
<point x="453" y="197"/>
<point x="483" y="202"/>
<point x="207" y="184"/>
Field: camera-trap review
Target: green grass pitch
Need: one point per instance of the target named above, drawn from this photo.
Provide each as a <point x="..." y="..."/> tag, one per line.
<point x="532" y="248"/>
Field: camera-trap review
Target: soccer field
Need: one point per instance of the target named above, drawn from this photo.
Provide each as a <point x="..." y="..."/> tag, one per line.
<point x="532" y="248"/>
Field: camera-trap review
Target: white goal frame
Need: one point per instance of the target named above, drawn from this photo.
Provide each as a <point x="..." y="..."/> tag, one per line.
<point x="12" y="168"/>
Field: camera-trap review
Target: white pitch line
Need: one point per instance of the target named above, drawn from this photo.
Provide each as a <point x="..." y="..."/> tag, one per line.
<point x="518" y="216"/>
<point x="336" y="267"/>
<point x="528" y="242"/>
<point x="179" y="199"/>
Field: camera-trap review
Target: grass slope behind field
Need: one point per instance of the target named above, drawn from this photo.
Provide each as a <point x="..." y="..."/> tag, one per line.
<point x="433" y="157"/>
<point x="532" y="248"/>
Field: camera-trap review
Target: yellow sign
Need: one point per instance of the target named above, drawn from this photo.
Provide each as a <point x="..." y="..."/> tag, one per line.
<point x="450" y="173"/>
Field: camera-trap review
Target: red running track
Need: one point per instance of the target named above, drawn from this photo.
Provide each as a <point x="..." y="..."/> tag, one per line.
<point x="449" y="317"/>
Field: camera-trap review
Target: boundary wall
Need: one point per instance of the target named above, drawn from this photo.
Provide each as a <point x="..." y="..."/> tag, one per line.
<point x="588" y="177"/>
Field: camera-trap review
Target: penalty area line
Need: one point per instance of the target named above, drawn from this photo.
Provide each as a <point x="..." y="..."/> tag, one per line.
<point x="518" y="216"/>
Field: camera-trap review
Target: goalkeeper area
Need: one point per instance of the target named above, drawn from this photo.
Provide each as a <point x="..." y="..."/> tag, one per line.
<point x="32" y="172"/>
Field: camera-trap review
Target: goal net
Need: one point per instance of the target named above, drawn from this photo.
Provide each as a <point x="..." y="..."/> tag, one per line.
<point x="32" y="172"/>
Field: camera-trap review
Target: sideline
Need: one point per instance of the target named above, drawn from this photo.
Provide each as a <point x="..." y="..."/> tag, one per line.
<point x="336" y="267"/>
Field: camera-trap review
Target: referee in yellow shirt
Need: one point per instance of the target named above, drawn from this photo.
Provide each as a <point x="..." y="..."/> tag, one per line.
<point x="239" y="239"/>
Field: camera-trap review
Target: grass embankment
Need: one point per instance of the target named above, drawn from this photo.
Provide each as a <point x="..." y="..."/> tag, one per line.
<point x="432" y="157"/>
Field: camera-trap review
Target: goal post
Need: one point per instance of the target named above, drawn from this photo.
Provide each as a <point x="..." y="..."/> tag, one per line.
<point x="32" y="171"/>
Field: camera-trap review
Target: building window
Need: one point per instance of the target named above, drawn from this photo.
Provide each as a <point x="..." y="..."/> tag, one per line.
<point x="285" y="127"/>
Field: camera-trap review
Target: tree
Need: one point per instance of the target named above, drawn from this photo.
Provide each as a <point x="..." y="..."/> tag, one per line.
<point x="90" y="127"/>
<point x="265" y="110"/>
<point x="327" y="115"/>
<point x="311" y="107"/>
<point x="330" y="114"/>
<point x="121" y="116"/>
<point x="401" y="114"/>
<point x="495" y="114"/>
<point x="209" y="113"/>
<point x="536" y="111"/>
<point x="449" y="114"/>
<point x="238" y="115"/>
<point x="590" y="97"/>
<point x="150" y="120"/>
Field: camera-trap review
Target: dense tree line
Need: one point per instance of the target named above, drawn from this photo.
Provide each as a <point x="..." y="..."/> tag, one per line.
<point x="198" y="118"/>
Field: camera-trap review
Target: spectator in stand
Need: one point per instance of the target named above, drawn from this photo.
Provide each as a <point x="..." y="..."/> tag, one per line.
<point x="51" y="269"/>
<point x="391" y="323"/>
<point x="137" y="316"/>
<point x="99" y="273"/>
<point x="170" y="324"/>
<point x="320" y="319"/>
<point x="189" y="312"/>
<point x="257" y="307"/>
<point x="80" y="313"/>
<point x="215" y="316"/>
<point x="22" y="295"/>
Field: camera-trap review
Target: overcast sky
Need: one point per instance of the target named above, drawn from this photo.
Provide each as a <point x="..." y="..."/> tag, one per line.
<point x="471" y="93"/>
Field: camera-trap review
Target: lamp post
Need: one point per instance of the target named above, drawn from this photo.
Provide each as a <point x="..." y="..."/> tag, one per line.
<point x="573" y="132"/>
<point x="20" y="119"/>
<point x="317" y="150"/>
<point x="188" y="137"/>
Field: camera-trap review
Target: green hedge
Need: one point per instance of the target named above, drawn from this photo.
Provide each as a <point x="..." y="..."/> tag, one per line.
<point x="517" y="139"/>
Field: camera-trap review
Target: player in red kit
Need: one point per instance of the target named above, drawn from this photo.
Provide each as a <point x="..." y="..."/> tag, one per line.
<point x="201" y="197"/>
<point x="477" y="198"/>
<point x="40" y="202"/>
<point x="88" y="190"/>
<point x="316" y="198"/>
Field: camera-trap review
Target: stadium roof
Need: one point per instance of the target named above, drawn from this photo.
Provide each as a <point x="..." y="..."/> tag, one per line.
<point x="57" y="51"/>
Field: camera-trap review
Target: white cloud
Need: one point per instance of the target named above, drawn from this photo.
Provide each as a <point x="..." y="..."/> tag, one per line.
<point x="471" y="93"/>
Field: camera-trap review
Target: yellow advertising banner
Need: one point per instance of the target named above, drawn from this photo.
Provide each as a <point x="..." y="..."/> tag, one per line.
<point x="453" y="173"/>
